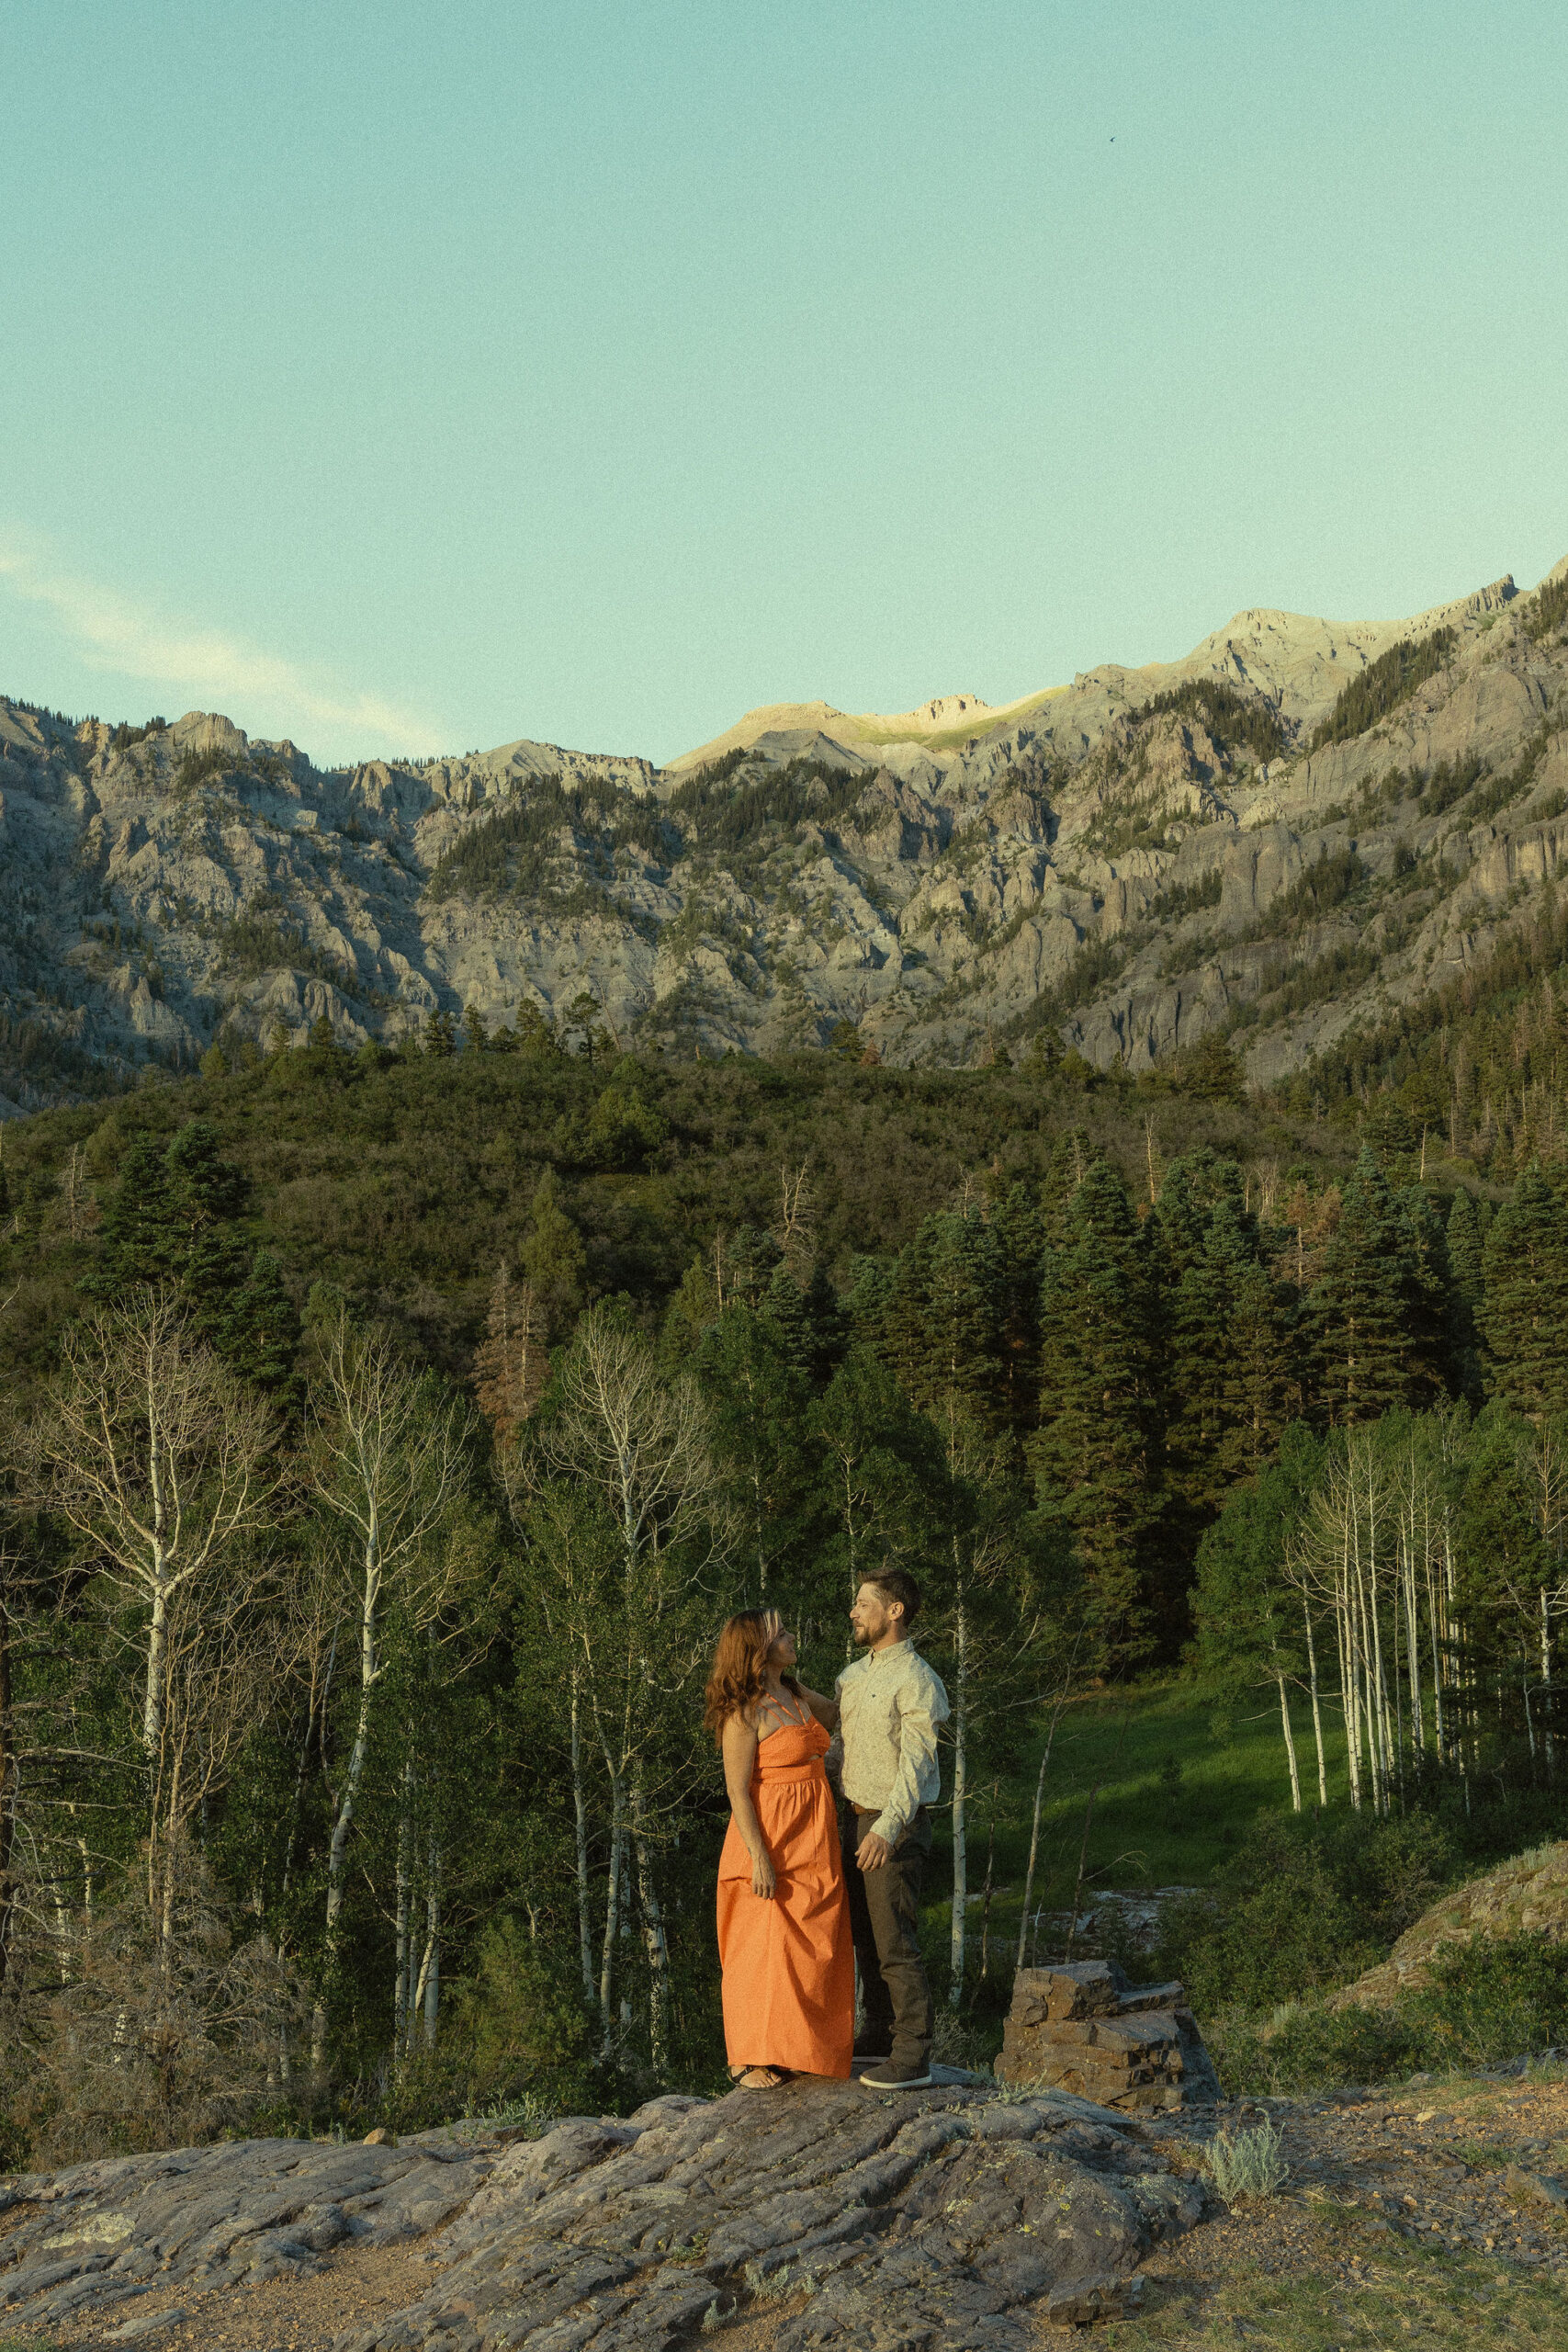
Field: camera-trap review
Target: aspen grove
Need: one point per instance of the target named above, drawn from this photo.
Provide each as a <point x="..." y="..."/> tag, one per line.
<point x="356" y="1602"/>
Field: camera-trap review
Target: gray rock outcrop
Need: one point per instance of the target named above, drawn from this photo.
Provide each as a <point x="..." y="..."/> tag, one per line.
<point x="1136" y="866"/>
<point x="106" y="2233"/>
<point x="1527" y="1896"/>
<point x="940" y="2219"/>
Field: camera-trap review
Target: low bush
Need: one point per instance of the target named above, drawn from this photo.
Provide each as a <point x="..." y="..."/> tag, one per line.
<point x="1248" y="2165"/>
<point x="1486" y="2003"/>
<point x="1304" y="2047"/>
<point x="1308" y="1902"/>
<point x="1493" y="2000"/>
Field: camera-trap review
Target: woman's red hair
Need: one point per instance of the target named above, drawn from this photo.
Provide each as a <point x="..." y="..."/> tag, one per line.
<point x="739" y="1678"/>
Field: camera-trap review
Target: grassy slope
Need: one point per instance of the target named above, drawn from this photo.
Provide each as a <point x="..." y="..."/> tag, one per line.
<point x="1149" y="1829"/>
<point x="1393" y="2294"/>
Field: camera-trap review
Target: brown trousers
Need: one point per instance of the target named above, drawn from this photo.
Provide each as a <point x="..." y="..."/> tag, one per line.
<point x="885" y="1906"/>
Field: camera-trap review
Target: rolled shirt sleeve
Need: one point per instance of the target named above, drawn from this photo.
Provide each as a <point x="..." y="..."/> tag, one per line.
<point x="921" y="1705"/>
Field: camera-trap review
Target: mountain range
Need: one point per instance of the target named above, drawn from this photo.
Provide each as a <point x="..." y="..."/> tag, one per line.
<point x="1284" y="836"/>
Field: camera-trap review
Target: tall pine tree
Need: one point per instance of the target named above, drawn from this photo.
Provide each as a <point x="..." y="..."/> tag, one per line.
<point x="1363" y="1343"/>
<point x="1466" y="1294"/>
<point x="1225" y="1364"/>
<point x="1525" y="1311"/>
<point x="257" y="1331"/>
<point x="751" y="1369"/>
<point x="1095" y="1453"/>
<point x="942" y="1325"/>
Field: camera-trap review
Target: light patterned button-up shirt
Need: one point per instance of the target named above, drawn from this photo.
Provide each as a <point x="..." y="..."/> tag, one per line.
<point x="891" y="1703"/>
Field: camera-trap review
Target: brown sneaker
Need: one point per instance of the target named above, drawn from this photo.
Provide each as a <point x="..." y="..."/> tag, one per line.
<point x="914" y="2077"/>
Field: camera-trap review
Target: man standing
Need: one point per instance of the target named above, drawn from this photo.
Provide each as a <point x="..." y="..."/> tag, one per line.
<point x="890" y="1704"/>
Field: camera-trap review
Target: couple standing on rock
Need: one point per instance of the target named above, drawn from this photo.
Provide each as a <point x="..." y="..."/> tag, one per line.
<point x="790" y="1928"/>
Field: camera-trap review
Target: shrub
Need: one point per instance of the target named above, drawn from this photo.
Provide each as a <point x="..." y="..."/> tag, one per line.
<point x="1494" y="2001"/>
<point x="149" y="2041"/>
<point x="517" y="2028"/>
<point x="1247" y="2165"/>
<point x="1307" y="2047"/>
<point x="1496" y="1998"/>
<point x="1306" y="1904"/>
<point x="623" y="1129"/>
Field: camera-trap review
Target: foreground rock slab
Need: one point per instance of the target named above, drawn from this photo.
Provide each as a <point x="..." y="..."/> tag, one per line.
<point x="941" y="2220"/>
<point x="97" y="2238"/>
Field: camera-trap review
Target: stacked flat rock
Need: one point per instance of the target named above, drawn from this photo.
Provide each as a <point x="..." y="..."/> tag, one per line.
<point x="1082" y="2027"/>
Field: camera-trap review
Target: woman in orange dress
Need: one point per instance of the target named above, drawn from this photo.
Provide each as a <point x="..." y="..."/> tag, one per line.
<point x="784" y="1926"/>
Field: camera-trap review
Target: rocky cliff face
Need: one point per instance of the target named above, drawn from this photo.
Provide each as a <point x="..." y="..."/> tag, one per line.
<point x="1139" y="858"/>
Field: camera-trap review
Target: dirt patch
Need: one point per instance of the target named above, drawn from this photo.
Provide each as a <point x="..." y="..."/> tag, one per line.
<point x="1427" y="2219"/>
<point x="351" y="2289"/>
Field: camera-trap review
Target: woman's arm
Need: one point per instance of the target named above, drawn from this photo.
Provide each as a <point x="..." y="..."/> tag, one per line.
<point x="825" y="1710"/>
<point x="739" y="1748"/>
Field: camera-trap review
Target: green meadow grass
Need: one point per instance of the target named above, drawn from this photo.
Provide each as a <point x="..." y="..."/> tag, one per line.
<point x="1442" y="2303"/>
<point x="1174" y="1796"/>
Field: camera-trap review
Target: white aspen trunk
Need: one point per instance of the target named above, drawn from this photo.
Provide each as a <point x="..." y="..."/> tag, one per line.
<point x="1439" y="1733"/>
<point x="654" y="1942"/>
<point x="612" y="1913"/>
<point x="1454" y="1649"/>
<point x="1397" y="1724"/>
<point x="1352" y="1671"/>
<point x="959" y="1793"/>
<point x="1034" y="1835"/>
<point x="1379" y="1692"/>
<point x="157" y="1651"/>
<point x="166" y="1915"/>
<point x="337" y="1848"/>
<point x="343" y="1822"/>
<point x="579" y="1809"/>
<point x="1545" y="1680"/>
<point x="1413" y="1658"/>
<point x="1366" y="1694"/>
<point x="431" y="1968"/>
<point x="1525" y="1688"/>
<point x="61" y="1930"/>
<point x="416" y="1988"/>
<point x="404" y="1875"/>
<point x="158" y="1631"/>
<point x="1290" y="1743"/>
<point x="1316" y="1709"/>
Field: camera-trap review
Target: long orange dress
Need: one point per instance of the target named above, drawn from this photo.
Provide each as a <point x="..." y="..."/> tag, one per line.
<point x="788" y="1961"/>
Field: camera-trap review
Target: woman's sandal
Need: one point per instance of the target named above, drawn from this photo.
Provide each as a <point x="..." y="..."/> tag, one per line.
<point x="758" y="2078"/>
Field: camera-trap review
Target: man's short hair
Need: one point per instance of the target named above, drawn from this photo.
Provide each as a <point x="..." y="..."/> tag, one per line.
<point x="897" y="1584"/>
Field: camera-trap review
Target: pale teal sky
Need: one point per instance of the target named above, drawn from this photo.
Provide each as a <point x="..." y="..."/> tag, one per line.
<point x="397" y="376"/>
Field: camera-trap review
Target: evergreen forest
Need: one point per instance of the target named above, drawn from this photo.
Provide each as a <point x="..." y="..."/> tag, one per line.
<point x="386" y="1434"/>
